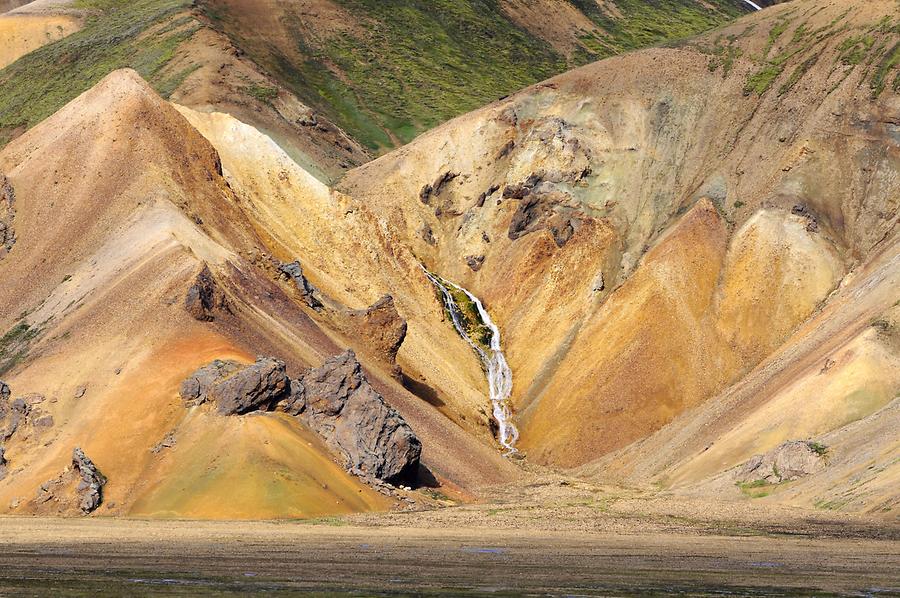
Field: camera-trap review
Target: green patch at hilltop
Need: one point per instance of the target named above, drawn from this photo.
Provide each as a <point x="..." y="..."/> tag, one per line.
<point x="642" y="23"/>
<point x="141" y="34"/>
<point x="409" y="65"/>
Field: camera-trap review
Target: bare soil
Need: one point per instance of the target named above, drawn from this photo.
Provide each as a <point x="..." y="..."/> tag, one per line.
<point x="622" y="549"/>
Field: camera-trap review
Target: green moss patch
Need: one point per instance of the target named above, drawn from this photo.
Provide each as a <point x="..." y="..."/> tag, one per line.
<point x="14" y="345"/>
<point x="141" y="34"/>
<point x="411" y="64"/>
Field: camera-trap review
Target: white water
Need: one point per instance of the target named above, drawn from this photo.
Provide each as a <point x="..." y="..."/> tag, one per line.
<point x="753" y="4"/>
<point x="499" y="375"/>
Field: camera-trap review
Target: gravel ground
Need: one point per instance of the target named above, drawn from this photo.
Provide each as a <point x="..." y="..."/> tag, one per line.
<point x="558" y="538"/>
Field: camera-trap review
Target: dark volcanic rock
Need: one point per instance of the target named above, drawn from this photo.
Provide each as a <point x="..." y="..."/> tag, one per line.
<point x="310" y="294"/>
<point x="5" y="393"/>
<point x="812" y="223"/>
<point x="551" y="210"/>
<point x="237" y="389"/>
<point x="483" y="197"/>
<point x="789" y="461"/>
<point x="90" y="486"/>
<point x="427" y="235"/>
<point x="12" y="414"/>
<point x="3" y="463"/>
<point x="338" y="403"/>
<point x="475" y="262"/>
<point x="204" y="297"/>
<point x="434" y="189"/>
<point x="521" y="190"/>
<point x="195" y="389"/>
<point x="382" y="327"/>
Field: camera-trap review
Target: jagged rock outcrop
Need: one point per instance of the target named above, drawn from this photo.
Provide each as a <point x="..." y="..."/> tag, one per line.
<point x="434" y="189"/>
<point x="337" y="401"/>
<point x="12" y="414"/>
<point x="204" y="297"/>
<point x="3" y="463"/>
<point x="789" y="461"/>
<point x="381" y="325"/>
<point x="77" y="490"/>
<point x="15" y="415"/>
<point x="7" y="213"/>
<point x="90" y="487"/>
<point x="310" y="294"/>
<point x="237" y="389"/>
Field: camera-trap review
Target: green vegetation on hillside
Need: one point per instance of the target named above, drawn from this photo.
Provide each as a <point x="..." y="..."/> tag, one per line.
<point x="141" y="34"/>
<point x="874" y="48"/>
<point x="412" y="64"/>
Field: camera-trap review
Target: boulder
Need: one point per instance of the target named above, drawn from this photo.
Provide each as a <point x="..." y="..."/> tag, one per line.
<point x="310" y="294"/>
<point x="204" y="297"/>
<point x="3" y="463"/>
<point x="789" y="461"/>
<point x="12" y="415"/>
<point x="237" y="389"/>
<point x="475" y="262"/>
<point x="90" y="486"/>
<point x="380" y="325"/>
<point x="337" y="401"/>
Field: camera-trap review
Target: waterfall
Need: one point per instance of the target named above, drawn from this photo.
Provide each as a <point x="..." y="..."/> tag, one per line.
<point x="753" y="4"/>
<point x="499" y="376"/>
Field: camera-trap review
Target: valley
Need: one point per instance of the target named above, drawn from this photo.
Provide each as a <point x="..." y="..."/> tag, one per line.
<point x="480" y="274"/>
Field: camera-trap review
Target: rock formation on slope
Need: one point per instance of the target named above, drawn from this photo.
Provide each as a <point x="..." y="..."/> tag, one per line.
<point x="7" y="213"/>
<point x="204" y="297"/>
<point x="337" y="401"/>
<point x="236" y="389"/>
<point x="380" y="326"/>
<point x="90" y="486"/>
<point x="787" y="462"/>
<point x="78" y="489"/>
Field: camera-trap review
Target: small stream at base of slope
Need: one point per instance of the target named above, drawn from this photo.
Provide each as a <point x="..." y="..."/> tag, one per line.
<point x="484" y="337"/>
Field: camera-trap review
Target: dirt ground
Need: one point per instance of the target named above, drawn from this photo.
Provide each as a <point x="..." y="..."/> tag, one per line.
<point x="556" y="538"/>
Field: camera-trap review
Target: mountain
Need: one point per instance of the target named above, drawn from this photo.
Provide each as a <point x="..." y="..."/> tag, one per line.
<point x="387" y="71"/>
<point x="303" y="76"/>
<point x="689" y="252"/>
<point x="677" y="242"/>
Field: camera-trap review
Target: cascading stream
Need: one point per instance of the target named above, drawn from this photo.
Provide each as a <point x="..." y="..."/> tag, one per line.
<point x="499" y="375"/>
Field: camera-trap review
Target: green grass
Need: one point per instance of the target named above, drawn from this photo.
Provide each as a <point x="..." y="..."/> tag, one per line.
<point x="263" y="93"/>
<point x="115" y="36"/>
<point x="818" y="448"/>
<point x="760" y="81"/>
<point x="413" y="64"/>
<point x="14" y="345"/>
<point x="879" y="78"/>
<point x="756" y="488"/>
<point x="798" y="73"/>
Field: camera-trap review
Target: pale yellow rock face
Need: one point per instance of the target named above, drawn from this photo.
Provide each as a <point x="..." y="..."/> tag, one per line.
<point x="21" y="34"/>
<point x="773" y="255"/>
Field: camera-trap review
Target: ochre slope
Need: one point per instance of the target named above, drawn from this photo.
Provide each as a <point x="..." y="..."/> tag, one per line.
<point x="609" y="342"/>
<point x="104" y="254"/>
<point x="23" y="33"/>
